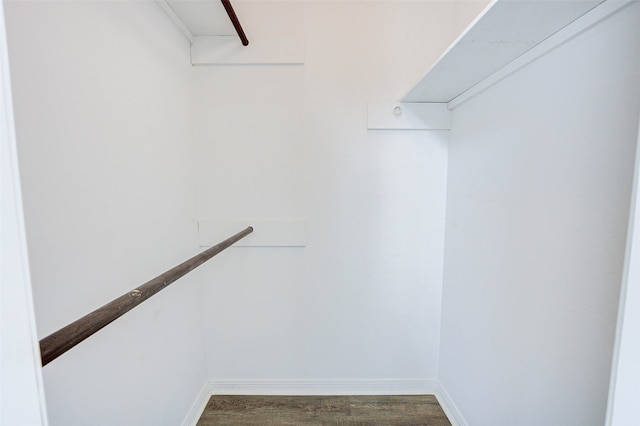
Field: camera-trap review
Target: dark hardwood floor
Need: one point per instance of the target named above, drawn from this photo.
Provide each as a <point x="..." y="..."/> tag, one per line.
<point x="323" y="410"/>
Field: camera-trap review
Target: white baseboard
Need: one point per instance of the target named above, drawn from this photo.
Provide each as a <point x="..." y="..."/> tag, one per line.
<point x="192" y="417"/>
<point x="449" y="407"/>
<point x="322" y="387"/>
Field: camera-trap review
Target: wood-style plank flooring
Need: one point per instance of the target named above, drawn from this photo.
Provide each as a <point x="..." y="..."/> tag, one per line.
<point x="323" y="410"/>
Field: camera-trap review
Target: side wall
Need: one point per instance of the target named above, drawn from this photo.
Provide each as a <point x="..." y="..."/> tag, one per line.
<point x="540" y="174"/>
<point x="102" y="105"/>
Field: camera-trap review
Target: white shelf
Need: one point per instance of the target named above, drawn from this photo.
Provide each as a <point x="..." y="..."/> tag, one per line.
<point x="504" y="32"/>
<point x="214" y="41"/>
<point x="408" y="116"/>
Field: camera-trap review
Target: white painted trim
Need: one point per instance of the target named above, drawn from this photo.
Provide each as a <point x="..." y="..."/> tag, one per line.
<point x="176" y="19"/>
<point x="20" y="365"/>
<point x="450" y="408"/>
<point x="292" y="233"/>
<point x="408" y="116"/>
<point x="264" y="50"/>
<point x="581" y="24"/>
<point x="322" y="387"/>
<point x="198" y="406"/>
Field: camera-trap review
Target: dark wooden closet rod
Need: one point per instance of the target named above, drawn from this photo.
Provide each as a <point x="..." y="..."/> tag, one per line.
<point x="235" y="21"/>
<point x="64" y="339"/>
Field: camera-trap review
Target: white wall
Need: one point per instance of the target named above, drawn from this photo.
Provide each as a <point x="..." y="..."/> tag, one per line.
<point x="362" y="300"/>
<point x="102" y="105"/>
<point x="540" y="173"/>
